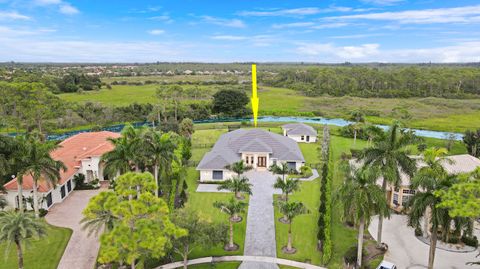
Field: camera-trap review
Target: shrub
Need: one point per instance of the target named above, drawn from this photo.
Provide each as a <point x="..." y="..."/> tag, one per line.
<point x="43" y="212"/>
<point x="453" y="240"/>
<point x="306" y="171"/>
<point x="418" y="231"/>
<point x="350" y="256"/>
<point x="79" y="179"/>
<point x="470" y="241"/>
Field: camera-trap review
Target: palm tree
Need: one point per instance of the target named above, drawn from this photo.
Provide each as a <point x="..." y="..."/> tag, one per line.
<point x="97" y="215"/>
<point x="239" y="167"/>
<point x="425" y="204"/>
<point x="362" y="198"/>
<point x="390" y="154"/>
<point x="12" y="150"/>
<point x="287" y="186"/>
<point x="16" y="226"/>
<point x="120" y="159"/>
<point x="357" y="116"/>
<point x="135" y="137"/>
<point x="238" y="185"/>
<point x="291" y="210"/>
<point x="232" y="208"/>
<point x="160" y="149"/>
<point x="281" y="169"/>
<point x="39" y="164"/>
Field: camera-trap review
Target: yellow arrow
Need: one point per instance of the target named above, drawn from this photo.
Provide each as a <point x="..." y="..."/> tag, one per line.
<point x="254" y="98"/>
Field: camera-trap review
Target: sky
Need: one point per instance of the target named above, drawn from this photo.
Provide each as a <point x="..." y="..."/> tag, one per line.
<point x="399" y="31"/>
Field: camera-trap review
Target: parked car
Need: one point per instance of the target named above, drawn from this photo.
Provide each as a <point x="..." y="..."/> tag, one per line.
<point x="387" y="265"/>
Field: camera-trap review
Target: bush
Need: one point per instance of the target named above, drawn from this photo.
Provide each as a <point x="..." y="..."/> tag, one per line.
<point x="418" y="231"/>
<point x="453" y="240"/>
<point x="43" y="212"/>
<point x="350" y="256"/>
<point x="470" y="241"/>
<point x="306" y="171"/>
<point x="79" y="180"/>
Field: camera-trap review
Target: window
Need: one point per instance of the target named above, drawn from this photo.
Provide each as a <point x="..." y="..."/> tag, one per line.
<point x="69" y="185"/>
<point x="49" y="199"/>
<point x="274" y="161"/>
<point x="395" y="199"/>
<point x="308" y="138"/>
<point x="302" y="137"/>
<point x="218" y="175"/>
<point x="62" y="191"/>
<point x="292" y="165"/>
<point x="407" y="191"/>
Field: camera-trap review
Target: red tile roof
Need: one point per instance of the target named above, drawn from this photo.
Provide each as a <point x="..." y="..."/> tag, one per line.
<point x="71" y="152"/>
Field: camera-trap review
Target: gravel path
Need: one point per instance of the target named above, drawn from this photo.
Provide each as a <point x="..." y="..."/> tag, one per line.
<point x="260" y="234"/>
<point x="81" y="251"/>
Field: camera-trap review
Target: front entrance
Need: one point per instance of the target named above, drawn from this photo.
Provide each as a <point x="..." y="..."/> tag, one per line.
<point x="262" y="161"/>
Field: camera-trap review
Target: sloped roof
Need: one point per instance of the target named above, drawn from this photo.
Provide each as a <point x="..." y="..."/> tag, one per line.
<point x="71" y="152"/>
<point x="229" y="146"/>
<point x="299" y="129"/>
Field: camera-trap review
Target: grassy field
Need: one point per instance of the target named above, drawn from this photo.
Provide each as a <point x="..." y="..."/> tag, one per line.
<point x="38" y="254"/>
<point x="423" y="113"/>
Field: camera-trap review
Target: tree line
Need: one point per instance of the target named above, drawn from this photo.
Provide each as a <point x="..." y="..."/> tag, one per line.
<point x="387" y="82"/>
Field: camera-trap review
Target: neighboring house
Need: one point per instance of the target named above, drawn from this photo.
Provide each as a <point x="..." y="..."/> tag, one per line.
<point x="81" y="155"/>
<point x="398" y="197"/>
<point x="256" y="147"/>
<point x="300" y="132"/>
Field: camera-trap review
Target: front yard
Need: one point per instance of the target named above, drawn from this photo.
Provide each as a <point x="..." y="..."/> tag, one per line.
<point x="44" y="253"/>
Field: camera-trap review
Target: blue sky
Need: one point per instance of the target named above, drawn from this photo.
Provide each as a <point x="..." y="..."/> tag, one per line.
<point x="237" y="31"/>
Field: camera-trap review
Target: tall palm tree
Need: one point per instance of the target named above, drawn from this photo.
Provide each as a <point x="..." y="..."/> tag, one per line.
<point x="16" y="226"/>
<point x="358" y="117"/>
<point x="12" y="150"/>
<point x="362" y="198"/>
<point x="98" y="214"/>
<point x="238" y="185"/>
<point x="134" y="137"/>
<point x="160" y="148"/>
<point x="120" y="159"/>
<point x="232" y="208"/>
<point x="239" y="167"/>
<point x="39" y="164"/>
<point x="390" y="154"/>
<point x="287" y="186"/>
<point x="281" y="169"/>
<point x="425" y="204"/>
<point x="291" y="210"/>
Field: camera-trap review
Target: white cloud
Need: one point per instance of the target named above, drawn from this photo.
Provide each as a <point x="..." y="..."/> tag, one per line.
<point x="461" y="52"/>
<point x="156" y="32"/>
<point x="229" y="37"/>
<point x="47" y="2"/>
<point x="299" y="12"/>
<point x="466" y="14"/>
<point x="310" y="25"/>
<point x="383" y="2"/>
<point x="12" y="15"/>
<point x="235" y="23"/>
<point x="163" y="18"/>
<point x="292" y="25"/>
<point x="68" y="9"/>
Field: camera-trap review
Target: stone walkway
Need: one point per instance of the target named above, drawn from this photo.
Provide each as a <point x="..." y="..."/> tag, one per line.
<point x="81" y="251"/>
<point x="260" y="234"/>
<point x="312" y="177"/>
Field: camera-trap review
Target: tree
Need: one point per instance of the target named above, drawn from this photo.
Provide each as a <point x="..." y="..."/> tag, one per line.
<point x="238" y="185"/>
<point x="430" y="179"/>
<point x="239" y="167"/>
<point x="230" y="103"/>
<point x="357" y="116"/>
<point x="362" y="198"/>
<point x="39" y="164"/>
<point x="16" y="226"/>
<point x="390" y="154"/>
<point x="160" y="148"/>
<point x="232" y="208"/>
<point x="287" y="186"/>
<point x="291" y="210"/>
<point x="472" y="142"/>
<point x="186" y="128"/>
<point x="3" y="202"/>
<point x="281" y="169"/>
<point x="200" y="233"/>
<point x="142" y="228"/>
<point x="98" y="215"/>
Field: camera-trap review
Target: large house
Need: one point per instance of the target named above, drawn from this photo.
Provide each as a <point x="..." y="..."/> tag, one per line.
<point x="256" y="147"/>
<point x="398" y="197"/>
<point x="81" y="155"/>
<point x="300" y="132"/>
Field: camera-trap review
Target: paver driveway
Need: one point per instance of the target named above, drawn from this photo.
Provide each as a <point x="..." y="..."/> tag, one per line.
<point x="406" y="251"/>
<point x="260" y="234"/>
<point x="81" y="251"/>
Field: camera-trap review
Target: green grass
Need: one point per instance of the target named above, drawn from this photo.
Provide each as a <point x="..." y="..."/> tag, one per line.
<point x="223" y="265"/>
<point x="44" y="253"/>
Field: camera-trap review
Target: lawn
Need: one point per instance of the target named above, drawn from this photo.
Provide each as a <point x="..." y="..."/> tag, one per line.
<point x="44" y="253"/>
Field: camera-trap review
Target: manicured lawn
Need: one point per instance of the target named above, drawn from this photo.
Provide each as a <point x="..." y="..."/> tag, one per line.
<point x="44" y="253"/>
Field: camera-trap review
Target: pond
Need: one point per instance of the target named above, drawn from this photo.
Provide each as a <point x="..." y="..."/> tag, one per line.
<point x="316" y="120"/>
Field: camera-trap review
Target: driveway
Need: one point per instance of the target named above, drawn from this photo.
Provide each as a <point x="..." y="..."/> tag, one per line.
<point x="260" y="234"/>
<point x="81" y="251"/>
<point x="406" y="251"/>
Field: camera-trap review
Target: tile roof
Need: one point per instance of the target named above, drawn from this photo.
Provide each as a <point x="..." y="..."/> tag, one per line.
<point x="299" y="129"/>
<point x="229" y="146"/>
<point x="72" y="151"/>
